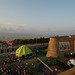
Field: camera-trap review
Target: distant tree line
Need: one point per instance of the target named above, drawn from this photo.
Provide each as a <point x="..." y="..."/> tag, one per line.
<point x="31" y="41"/>
<point x="1" y="41"/>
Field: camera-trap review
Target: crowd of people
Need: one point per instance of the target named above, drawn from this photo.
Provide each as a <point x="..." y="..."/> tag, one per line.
<point x="8" y="59"/>
<point x="18" y="68"/>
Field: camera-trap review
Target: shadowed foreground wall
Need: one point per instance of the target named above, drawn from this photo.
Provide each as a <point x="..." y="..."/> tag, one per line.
<point x="57" y="46"/>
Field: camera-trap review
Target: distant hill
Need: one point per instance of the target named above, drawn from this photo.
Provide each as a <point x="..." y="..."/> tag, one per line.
<point x="12" y="36"/>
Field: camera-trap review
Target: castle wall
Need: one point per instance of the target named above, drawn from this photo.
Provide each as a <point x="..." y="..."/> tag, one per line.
<point x="66" y="51"/>
<point x="60" y="46"/>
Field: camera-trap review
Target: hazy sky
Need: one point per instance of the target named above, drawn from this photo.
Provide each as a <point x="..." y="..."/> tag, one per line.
<point x="55" y="17"/>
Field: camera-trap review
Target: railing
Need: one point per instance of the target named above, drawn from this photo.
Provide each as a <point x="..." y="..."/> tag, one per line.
<point x="6" y="49"/>
<point x="45" y="64"/>
<point x="30" y="45"/>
